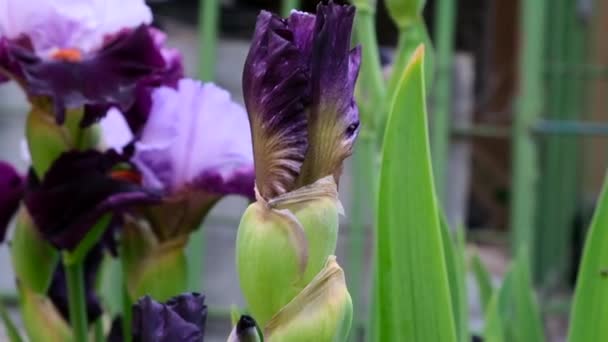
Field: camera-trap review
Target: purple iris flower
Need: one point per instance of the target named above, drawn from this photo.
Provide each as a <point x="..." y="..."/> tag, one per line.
<point x="194" y="148"/>
<point x="90" y="52"/>
<point x="11" y="191"/>
<point x="181" y="318"/>
<point x="298" y="84"/>
<point x="77" y="190"/>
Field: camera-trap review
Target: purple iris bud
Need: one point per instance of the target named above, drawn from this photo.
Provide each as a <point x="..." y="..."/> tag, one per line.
<point x="11" y="191"/>
<point x="298" y="83"/>
<point x="92" y="53"/>
<point x="182" y="318"/>
<point x="77" y="190"/>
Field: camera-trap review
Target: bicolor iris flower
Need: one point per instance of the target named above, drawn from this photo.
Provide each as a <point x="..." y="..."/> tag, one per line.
<point x="298" y="84"/>
<point x="11" y="192"/>
<point x="194" y="148"/>
<point x="90" y="52"/>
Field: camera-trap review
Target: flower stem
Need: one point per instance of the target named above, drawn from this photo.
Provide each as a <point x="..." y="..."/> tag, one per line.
<point x="126" y="315"/>
<point x="76" y="298"/>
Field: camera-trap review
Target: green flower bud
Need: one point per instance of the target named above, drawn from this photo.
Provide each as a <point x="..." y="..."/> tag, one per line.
<point x="404" y="12"/>
<point x="34" y="259"/>
<point x="321" y="312"/>
<point x="42" y="321"/>
<point x="156" y="269"/>
<point x="283" y="243"/>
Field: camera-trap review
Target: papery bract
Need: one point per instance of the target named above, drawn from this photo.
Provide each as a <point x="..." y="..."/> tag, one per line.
<point x="11" y="191"/>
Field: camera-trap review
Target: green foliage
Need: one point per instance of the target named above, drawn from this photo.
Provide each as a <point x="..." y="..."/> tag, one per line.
<point x="484" y="282"/>
<point x="512" y="313"/>
<point x="591" y="295"/>
<point x="413" y="290"/>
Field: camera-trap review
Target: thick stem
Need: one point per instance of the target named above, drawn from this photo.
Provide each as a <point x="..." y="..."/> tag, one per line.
<point x="76" y="299"/>
<point x="209" y="11"/>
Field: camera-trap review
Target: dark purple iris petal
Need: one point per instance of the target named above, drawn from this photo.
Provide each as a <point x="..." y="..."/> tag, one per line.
<point x="76" y="191"/>
<point x="58" y="290"/>
<point x="137" y="114"/>
<point x="182" y="318"/>
<point x="107" y="77"/>
<point x="276" y="87"/>
<point x="240" y="183"/>
<point x="11" y="191"/>
<point x="334" y="116"/>
<point x="298" y="83"/>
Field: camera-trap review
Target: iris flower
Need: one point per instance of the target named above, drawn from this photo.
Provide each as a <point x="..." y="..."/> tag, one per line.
<point x="90" y="52"/>
<point x="194" y="148"/>
<point x="11" y="191"/>
<point x="298" y="84"/>
<point x="181" y="318"/>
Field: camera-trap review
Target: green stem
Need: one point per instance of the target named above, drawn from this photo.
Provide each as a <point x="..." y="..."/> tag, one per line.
<point x="126" y="315"/>
<point x="76" y="299"/>
<point x="372" y="82"/>
<point x="209" y="11"/>
<point x="99" y="330"/>
<point x="288" y="5"/>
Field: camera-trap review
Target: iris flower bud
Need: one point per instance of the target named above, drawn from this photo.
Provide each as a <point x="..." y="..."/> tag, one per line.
<point x="283" y="243"/>
<point x="245" y="331"/>
<point x="321" y="312"/>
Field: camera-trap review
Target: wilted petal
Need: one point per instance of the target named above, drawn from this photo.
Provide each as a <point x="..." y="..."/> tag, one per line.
<point x="107" y="77"/>
<point x="77" y="190"/>
<point x="181" y="319"/>
<point x="276" y="87"/>
<point x="197" y="139"/>
<point x="334" y="118"/>
<point x="11" y="191"/>
<point x="60" y="24"/>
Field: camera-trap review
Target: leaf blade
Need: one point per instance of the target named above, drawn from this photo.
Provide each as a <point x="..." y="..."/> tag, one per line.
<point x="411" y="275"/>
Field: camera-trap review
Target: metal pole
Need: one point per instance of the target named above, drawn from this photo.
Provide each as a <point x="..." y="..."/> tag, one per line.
<point x="529" y="108"/>
<point x="208" y="32"/>
<point x="440" y="130"/>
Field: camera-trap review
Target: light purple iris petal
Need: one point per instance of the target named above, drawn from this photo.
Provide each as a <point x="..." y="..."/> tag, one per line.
<point x="196" y="137"/>
<point x="115" y="132"/>
<point x="80" y="24"/>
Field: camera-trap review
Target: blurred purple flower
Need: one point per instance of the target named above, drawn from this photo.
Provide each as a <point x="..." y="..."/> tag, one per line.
<point x="11" y="191"/>
<point x="77" y="190"/>
<point x="298" y="84"/>
<point x="91" y="53"/>
<point x="194" y="148"/>
<point x="181" y="318"/>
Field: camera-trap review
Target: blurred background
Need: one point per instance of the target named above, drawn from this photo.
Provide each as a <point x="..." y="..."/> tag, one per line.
<point x="526" y="125"/>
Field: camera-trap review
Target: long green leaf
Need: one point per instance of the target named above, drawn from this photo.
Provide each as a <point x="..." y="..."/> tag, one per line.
<point x="499" y="313"/>
<point x="484" y="282"/>
<point x="528" y="324"/>
<point x="414" y="297"/>
<point x="590" y="305"/>
<point x="453" y="253"/>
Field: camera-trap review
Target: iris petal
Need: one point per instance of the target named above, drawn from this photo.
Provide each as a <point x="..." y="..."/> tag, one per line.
<point x="76" y="191"/>
<point x="11" y="191"/>
<point x="276" y="86"/>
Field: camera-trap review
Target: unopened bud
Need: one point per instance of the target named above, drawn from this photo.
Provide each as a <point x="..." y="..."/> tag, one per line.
<point x="158" y="270"/>
<point x="34" y="259"/>
<point x="283" y="243"/>
<point x="321" y="312"/>
<point x="245" y="330"/>
<point x="41" y="319"/>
